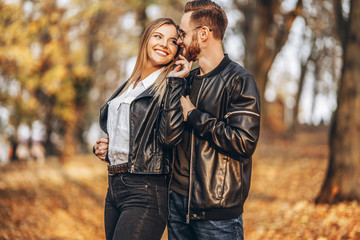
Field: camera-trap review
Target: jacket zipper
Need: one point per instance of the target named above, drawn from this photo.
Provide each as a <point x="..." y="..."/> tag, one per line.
<point x="191" y="159"/>
<point x="242" y="182"/>
<point x="242" y="111"/>
<point x="170" y="180"/>
<point x="132" y="169"/>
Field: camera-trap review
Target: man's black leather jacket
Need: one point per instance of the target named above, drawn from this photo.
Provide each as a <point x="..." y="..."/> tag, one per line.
<point x="226" y="124"/>
<point x="146" y="154"/>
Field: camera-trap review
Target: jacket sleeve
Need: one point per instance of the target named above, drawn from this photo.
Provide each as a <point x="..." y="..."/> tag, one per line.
<point x="171" y="122"/>
<point x="235" y="134"/>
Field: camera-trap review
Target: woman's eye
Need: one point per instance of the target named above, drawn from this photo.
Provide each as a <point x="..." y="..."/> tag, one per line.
<point x="157" y="36"/>
<point x="173" y="42"/>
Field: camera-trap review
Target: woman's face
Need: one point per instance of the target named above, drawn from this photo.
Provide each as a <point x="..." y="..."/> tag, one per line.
<point x="162" y="46"/>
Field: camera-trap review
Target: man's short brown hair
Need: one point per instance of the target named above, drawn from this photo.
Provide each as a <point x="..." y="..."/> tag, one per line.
<point x="208" y="13"/>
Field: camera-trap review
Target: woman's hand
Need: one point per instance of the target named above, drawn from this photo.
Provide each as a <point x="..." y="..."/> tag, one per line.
<point x="182" y="69"/>
<point x="101" y="148"/>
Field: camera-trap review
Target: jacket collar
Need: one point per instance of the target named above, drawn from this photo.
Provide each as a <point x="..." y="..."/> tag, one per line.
<point x="224" y="62"/>
<point x="149" y="80"/>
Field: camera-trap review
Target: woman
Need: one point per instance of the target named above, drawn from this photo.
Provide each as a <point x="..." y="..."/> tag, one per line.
<point x="136" y="204"/>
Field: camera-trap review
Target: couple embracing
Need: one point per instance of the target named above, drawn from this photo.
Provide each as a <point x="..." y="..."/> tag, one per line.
<point x="180" y="142"/>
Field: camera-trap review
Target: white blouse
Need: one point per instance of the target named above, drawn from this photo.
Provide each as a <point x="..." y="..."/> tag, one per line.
<point x="118" y="119"/>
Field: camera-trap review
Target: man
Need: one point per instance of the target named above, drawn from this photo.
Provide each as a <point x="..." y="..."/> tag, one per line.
<point x="212" y="165"/>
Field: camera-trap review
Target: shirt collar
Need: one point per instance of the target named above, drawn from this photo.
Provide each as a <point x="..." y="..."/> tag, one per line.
<point x="149" y="80"/>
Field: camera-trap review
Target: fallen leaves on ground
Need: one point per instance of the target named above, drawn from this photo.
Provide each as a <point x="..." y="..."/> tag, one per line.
<point x="287" y="177"/>
<point x="54" y="201"/>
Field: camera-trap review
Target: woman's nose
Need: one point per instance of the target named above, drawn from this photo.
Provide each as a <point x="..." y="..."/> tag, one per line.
<point x="164" y="43"/>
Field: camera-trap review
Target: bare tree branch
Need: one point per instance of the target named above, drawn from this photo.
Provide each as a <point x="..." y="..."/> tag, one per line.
<point x="341" y="23"/>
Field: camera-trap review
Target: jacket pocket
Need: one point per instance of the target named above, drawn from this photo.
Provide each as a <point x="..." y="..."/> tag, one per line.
<point x="232" y="194"/>
<point x="221" y="186"/>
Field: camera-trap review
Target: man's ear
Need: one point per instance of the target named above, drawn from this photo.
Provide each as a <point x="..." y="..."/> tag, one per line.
<point x="204" y="34"/>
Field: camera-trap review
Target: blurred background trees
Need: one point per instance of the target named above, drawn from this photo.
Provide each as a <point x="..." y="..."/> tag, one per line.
<point x="61" y="59"/>
<point x="342" y="182"/>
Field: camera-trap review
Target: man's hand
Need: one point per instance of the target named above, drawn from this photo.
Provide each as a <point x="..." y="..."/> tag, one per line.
<point x="186" y="105"/>
<point x="101" y="148"/>
<point x="182" y="69"/>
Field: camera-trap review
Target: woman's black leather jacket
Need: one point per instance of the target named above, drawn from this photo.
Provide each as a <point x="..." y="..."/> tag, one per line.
<point x="146" y="154"/>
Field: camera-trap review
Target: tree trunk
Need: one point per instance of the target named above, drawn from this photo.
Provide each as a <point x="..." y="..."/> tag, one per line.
<point x="69" y="147"/>
<point x="265" y="37"/>
<point x="342" y="181"/>
<point x="295" y="111"/>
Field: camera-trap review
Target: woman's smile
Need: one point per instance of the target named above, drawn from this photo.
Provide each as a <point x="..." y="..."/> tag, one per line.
<point x="162" y="46"/>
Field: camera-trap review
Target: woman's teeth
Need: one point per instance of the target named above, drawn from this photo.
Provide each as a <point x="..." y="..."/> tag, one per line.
<point x="161" y="52"/>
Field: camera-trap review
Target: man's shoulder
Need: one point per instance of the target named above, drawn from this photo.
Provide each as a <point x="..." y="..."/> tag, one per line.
<point x="234" y="69"/>
<point x="234" y="73"/>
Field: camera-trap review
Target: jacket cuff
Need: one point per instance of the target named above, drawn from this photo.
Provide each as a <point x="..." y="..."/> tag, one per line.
<point x="194" y="116"/>
<point x="175" y="88"/>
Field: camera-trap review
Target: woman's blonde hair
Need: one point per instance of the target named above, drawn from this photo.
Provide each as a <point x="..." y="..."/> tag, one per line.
<point x="159" y="85"/>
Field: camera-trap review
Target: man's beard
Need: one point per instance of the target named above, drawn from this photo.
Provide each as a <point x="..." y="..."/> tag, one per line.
<point x="193" y="50"/>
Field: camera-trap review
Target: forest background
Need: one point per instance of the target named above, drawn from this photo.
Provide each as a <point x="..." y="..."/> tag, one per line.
<point x="61" y="59"/>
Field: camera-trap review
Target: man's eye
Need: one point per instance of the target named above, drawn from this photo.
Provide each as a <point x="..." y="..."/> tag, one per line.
<point x="173" y="42"/>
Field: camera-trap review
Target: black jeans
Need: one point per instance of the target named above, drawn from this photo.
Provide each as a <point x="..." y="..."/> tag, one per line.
<point x="136" y="207"/>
